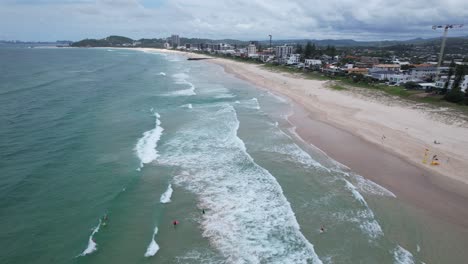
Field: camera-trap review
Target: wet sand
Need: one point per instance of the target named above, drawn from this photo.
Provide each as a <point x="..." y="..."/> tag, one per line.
<point x="441" y="197"/>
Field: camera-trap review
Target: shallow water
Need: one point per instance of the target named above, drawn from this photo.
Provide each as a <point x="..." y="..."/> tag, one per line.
<point x="149" y="138"/>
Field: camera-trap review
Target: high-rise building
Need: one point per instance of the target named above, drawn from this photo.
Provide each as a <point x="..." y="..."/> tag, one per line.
<point x="175" y="41"/>
<point x="251" y="49"/>
<point x="283" y="51"/>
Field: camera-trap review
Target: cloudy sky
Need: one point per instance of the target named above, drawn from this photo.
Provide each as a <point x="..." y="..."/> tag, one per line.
<point x="240" y="19"/>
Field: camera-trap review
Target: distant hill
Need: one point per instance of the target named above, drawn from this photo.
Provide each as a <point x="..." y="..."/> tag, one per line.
<point x="110" y="41"/>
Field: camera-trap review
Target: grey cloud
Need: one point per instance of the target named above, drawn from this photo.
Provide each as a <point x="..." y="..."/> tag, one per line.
<point x="242" y="19"/>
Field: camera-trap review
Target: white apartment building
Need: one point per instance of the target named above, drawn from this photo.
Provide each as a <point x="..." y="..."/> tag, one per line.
<point x="441" y="83"/>
<point x="423" y="72"/>
<point x="385" y="67"/>
<point x="399" y="78"/>
<point x="251" y="50"/>
<point x="283" y="51"/>
<point x="293" y="59"/>
<point x="311" y="63"/>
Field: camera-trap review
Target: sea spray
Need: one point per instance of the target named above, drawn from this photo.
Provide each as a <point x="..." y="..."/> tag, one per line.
<point x="146" y="145"/>
<point x="92" y="245"/>
<point x="153" y="247"/>
<point x="166" y="196"/>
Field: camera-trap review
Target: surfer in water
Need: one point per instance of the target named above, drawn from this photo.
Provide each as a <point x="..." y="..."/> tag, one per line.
<point x="175" y="223"/>
<point x="203" y="211"/>
<point x="322" y="229"/>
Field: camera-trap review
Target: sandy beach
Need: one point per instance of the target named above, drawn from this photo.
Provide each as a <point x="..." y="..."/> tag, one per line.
<point x="381" y="139"/>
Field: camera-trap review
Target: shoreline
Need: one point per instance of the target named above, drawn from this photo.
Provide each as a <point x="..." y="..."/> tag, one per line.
<point x="349" y="129"/>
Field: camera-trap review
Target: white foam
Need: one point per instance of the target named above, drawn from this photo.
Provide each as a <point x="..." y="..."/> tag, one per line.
<point x="418" y="248"/>
<point x="256" y="104"/>
<point x="92" y="246"/>
<point x="371" y="187"/>
<point x="279" y="98"/>
<point x="162" y="74"/>
<point x="249" y="220"/>
<point x="355" y="192"/>
<point x="166" y="196"/>
<point x="146" y="145"/>
<point x="366" y="221"/>
<point x="153" y="247"/>
<point x="402" y="256"/>
<point x="189" y="106"/>
<point x="224" y="96"/>
<point x="202" y="256"/>
<point x="181" y="78"/>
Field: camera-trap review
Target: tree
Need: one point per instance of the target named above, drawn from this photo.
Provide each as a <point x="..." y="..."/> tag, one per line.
<point x="405" y="67"/>
<point x="357" y="77"/>
<point x="411" y="85"/>
<point x="308" y="51"/>
<point x="456" y="95"/>
<point x="466" y="96"/>
<point x="299" y="49"/>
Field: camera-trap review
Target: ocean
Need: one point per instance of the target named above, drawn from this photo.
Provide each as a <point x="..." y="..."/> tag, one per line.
<point x="101" y="150"/>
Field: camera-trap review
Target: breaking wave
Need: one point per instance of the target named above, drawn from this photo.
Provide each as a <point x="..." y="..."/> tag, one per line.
<point x="146" y="145"/>
<point x="166" y="196"/>
<point x="92" y="245"/>
<point x="181" y="78"/>
<point x="153" y="247"/>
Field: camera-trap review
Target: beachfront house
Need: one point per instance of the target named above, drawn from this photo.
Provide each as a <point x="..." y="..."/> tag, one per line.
<point x="421" y="73"/>
<point x="399" y="79"/>
<point x="381" y="75"/>
<point x="385" y="67"/>
<point x="440" y="84"/>
<point x="310" y="63"/>
<point x="293" y="59"/>
<point x="362" y="71"/>
<point x="266" y="57"/>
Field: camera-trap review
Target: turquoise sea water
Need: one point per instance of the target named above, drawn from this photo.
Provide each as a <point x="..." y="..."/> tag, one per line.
<point x="148" y="138"/>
